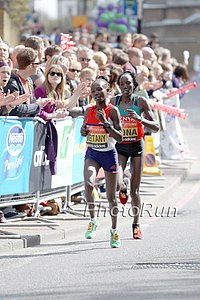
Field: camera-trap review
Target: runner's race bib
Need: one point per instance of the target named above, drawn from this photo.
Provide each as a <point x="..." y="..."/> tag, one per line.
<point x="130" y="130"/>
<point x="97" y="137"/>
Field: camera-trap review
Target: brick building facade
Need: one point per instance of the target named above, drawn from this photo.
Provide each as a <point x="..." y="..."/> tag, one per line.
<point x="177" y="24"/>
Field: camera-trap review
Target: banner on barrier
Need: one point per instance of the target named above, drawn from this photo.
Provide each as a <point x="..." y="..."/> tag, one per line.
<point x="65" y="130"/>
<point x="24" y="167"/>
<point x="172" y="144"/>
<point x="16" y="149"/>
<point x="78" y="153"/>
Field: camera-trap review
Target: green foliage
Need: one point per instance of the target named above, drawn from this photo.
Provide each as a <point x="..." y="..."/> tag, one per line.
<point x="18" y="11"/>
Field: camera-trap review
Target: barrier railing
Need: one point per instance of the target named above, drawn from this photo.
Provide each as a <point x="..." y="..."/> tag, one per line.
<point x="25" y="175"/>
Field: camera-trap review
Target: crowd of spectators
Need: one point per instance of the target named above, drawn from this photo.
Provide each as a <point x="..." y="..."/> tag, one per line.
<point x="39" y="78"/>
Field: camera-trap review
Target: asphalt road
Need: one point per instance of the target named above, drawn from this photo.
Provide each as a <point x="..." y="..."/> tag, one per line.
<point x="164" y="265"/>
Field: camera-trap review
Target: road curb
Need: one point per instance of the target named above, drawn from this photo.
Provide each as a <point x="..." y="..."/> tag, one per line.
<point x="9" y="245"/>
<point x="175" y="179"/>
<point x="26" y="241"/>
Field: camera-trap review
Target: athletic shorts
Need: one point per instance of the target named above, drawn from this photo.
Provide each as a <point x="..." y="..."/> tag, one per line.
<point x="108" y="160"/>
<point x="132" y="150"/>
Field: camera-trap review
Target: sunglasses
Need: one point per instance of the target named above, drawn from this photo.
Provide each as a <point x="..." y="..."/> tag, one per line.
<point x="74" y="70"/>
<point x="36" y="63"/>
<point x="85" y="59"/>
<point x="55" y="73"/>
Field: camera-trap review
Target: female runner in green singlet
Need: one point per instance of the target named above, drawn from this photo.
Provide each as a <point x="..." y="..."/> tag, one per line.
<point x="135" y="113"/>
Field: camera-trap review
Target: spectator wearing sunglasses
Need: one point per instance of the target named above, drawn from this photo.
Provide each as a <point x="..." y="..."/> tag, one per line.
<point x="37" y="44"/>
<point x="53" y="88"/>
<point x="72" y="76"/>
<point x="64" y="63"/>
<point x="84" y="56"/>
<point x="21" y="82"/>
<point x="69" y="96"/>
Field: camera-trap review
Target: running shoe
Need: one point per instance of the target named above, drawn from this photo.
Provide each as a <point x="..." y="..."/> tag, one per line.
<point x="137" y="234"/>
<point x="114" y="239"/>
<point x="123" y="193"/>
<point x="91" y="231"/>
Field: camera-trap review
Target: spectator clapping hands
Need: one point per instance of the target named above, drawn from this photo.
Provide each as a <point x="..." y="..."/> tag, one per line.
<point x="43" y="101"/>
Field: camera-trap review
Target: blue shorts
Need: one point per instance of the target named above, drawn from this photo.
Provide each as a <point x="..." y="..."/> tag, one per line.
<point x="108" y="160"/>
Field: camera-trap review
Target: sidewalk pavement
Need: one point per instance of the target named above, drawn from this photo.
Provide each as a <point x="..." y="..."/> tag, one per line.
<point x="29" y="232"/>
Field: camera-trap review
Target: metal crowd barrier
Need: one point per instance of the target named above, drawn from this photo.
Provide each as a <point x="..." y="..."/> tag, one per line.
<point x="25" y="176"/>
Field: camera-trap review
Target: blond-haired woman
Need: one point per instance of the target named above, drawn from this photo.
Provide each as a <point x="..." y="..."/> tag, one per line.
<point x="70" y="98"/>
<point x="53" y="87"/>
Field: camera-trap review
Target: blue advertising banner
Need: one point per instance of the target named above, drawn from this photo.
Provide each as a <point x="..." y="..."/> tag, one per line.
<point x="15" y="155"/>
<point x="78" y="153"/>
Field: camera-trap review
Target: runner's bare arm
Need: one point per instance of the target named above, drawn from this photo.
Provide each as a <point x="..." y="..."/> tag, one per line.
<point x="84" y="131"/>
<point x="148" y="119"/>
<point x="117" y="127"/>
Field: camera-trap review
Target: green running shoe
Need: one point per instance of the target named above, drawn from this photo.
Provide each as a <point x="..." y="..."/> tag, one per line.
<point x="114" y="239"/>
<point x="91" y="231"/>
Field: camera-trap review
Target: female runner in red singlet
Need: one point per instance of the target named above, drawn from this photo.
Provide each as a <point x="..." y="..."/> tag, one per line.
<point x="102" y="127"/>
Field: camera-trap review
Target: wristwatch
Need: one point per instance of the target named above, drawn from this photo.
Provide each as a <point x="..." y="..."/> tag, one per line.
<point x="107" y="125"/>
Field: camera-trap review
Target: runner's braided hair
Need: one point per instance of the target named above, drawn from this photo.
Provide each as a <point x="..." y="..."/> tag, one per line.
<point x="132" y="76"/>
